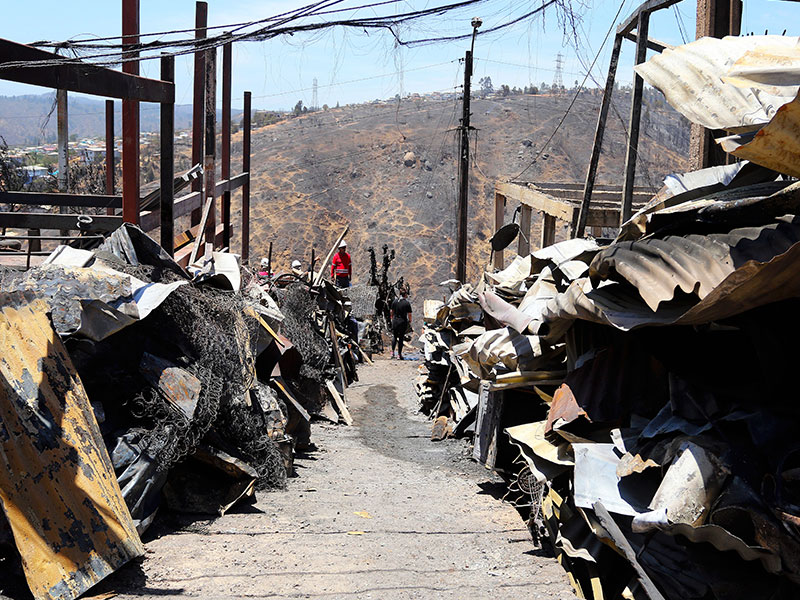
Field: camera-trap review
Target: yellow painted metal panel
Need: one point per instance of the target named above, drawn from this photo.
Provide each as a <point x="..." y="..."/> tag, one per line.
<point x="57" y="485"/>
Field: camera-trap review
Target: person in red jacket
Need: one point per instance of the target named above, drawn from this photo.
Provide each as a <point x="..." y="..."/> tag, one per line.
<point x="341" y="267"/>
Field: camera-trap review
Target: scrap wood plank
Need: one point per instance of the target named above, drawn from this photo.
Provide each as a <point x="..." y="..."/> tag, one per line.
<point x="57" y="485"/>
<point x="337" y="399"/>
<point x="335" y="342"/>
<point x="621" y="542"/>
<point x="281" y="385"/>
<point x="324" y="264"/>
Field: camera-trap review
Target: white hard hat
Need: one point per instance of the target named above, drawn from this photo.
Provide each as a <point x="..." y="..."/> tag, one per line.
<point x="296" y="264"/>
<point x="264" y="262"/>
<point x="342" y="244"/>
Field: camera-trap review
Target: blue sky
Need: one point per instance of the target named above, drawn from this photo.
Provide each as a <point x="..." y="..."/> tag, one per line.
<point x="351" y="66"/>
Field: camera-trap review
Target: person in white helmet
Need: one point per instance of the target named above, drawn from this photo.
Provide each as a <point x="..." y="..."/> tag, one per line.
<point x="341" y="267"/>
<point x="263" y="272"/>
<point x="297" y="270"/>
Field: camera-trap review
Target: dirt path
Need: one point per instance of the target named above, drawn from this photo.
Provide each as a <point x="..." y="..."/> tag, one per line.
<point x="378" y="512"/>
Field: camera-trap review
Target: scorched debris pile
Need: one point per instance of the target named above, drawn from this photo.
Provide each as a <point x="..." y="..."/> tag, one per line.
<point x="638" y="395"/>
<point x="128" y="385"/>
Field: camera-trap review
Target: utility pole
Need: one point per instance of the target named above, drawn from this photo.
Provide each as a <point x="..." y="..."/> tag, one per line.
<point x="462" y="209"/>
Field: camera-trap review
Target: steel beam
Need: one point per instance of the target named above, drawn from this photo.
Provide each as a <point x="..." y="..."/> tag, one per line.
<point x="198" y="99"/>
<point x="77" y="76"/>
<point x="579" y="228"/>
<point x="56" y="199"/>
<point x="645" y="8"/>
<point x="246" y="184"/>
<point x="227" y="52"/>
<point x="22" y="220"/>
<point x="210" y="142"/>
<point x="130" y="116"/>
<point x="635" y="120"/>
<point x="167" y="161"/>
<point x="110" y="151"/>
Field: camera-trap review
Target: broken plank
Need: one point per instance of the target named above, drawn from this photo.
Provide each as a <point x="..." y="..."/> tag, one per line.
<point x="337" y="399"/>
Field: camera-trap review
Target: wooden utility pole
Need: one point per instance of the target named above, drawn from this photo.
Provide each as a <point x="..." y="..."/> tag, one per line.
<point x="462" y="209"/>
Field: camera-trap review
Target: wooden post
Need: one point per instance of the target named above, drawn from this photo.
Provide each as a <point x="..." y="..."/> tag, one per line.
<point x="110" y="162"/>
<point x="635" y="120"/>
<point x="524" y="239"/>
<point x="210" y="158"/>
<point x="499" y="218"/>
<point x="548" y="230"/>
<point x="462" y="209"/>
<point x="227" y="51"/>
<point x="198" y="100"/>
<point x="130" y="117"/>
<point x="167" y="161"/>
<point x="246" y="183"/>
<point x="591" y="173"/>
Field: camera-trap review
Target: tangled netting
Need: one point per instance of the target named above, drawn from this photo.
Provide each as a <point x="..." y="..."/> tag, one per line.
<point x="207" y="332"/>
<point x="248" y="427"/>
<point x="298" y="308"/>
<point x="212" y="339"/>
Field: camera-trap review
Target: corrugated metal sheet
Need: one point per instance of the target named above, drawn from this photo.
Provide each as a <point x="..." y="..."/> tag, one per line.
<point x="694" y="264"/>
<point x="769" y="68"/>
<point x="57" y="485"/>
<point x="690" y="77"/>
<point x="763" y="266"/>
<point x="776" y="146"/>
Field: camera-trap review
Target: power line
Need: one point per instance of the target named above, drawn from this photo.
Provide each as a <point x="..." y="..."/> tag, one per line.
<point x="191" y="45"/>
<point x="360" y="79"/>
<point x="575" y="96"/>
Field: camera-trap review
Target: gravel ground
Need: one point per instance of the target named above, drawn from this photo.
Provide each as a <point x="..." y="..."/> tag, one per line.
<point x="379" y="511"/>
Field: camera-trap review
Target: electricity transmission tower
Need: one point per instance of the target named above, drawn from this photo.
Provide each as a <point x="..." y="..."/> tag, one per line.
<point x="558" y="82"/>
<point x="315" y="98"/>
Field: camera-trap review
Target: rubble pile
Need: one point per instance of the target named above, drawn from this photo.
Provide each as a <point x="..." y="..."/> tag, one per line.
<point x="636" y="394"/>
<point x="128" y="385"/>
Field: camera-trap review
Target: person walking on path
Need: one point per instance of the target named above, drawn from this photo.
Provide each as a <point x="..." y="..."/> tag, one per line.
<point x="400" y="314"/>
<point x="341" y="267"/>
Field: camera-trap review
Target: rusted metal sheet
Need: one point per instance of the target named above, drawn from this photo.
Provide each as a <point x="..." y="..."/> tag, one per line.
<point x="57" y="485"/>
<point x="176" y="385"/>
<point x="690" y="77"/>
<point x="776" y="146"/>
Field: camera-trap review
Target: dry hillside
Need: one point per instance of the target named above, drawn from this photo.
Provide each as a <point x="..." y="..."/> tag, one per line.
<point x="316" y="173"/>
